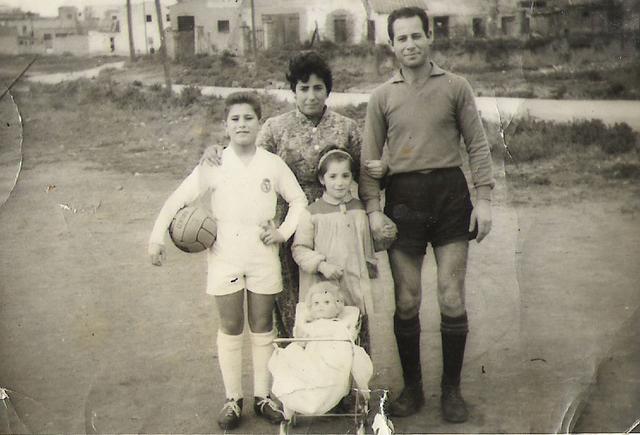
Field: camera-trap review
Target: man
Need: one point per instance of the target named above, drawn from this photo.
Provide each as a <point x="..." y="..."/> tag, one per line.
<point x="420" y="114"/>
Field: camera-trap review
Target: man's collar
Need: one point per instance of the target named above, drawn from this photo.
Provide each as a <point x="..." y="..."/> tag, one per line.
<point x="435" y="71"/>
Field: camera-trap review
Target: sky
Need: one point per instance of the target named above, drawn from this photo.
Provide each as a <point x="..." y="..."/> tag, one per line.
<point x="50" y="7"/>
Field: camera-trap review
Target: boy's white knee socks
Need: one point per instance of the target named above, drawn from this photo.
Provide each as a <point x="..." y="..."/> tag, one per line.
<point x="230" y="360"/>
<point x="261" y="350"/>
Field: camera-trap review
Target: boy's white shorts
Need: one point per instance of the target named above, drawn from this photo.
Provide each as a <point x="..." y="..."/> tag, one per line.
<point x="256" y="273"/>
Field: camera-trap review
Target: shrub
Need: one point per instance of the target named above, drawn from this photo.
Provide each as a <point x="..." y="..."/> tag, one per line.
<point x="530" y="146"/>
<point x="227" y="59"/>
<point x="189" y="95"/>
<point x="531" y="139"/>
<point x="623" y="170"/>
<point x="131" y="97"/>
<point x="621" y="139"/>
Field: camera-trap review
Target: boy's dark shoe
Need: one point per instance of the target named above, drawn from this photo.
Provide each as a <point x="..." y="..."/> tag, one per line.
<point x="229" y="416"/>
<point x="410" y="400"/>
<point x="454" y="409"/>
<point x="266" y="408"/>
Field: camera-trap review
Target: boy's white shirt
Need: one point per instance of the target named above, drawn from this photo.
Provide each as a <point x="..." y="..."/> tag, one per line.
<point x="241" y="192"/>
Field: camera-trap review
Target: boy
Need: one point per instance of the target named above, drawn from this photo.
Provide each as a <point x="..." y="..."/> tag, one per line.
<point x="245" y="254"/>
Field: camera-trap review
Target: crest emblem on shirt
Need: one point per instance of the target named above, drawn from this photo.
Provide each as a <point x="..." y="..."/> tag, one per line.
<point x="265" y="186"/>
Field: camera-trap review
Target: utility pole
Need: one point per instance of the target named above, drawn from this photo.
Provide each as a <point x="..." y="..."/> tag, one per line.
<point x="254" y="43"/>
<point x="163" y="49"/>
<point x="132" y="50"/>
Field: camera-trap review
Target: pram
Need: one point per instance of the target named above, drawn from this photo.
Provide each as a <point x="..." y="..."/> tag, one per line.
<point x="314" y="372"/>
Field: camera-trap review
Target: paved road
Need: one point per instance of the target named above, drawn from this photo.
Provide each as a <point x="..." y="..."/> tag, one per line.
<point x="494" y="109"/>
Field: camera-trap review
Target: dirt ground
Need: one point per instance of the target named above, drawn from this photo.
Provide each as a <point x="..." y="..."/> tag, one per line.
<point x="96" y="340"/>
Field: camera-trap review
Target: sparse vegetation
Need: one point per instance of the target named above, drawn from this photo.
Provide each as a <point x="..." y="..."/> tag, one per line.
<point x="531" y="139"/>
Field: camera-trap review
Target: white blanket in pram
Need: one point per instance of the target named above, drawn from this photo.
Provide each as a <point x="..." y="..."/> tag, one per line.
<point x="312" y="379"/>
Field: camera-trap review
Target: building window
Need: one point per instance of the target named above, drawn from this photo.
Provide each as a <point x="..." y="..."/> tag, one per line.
<point x="223" y="26"/>
<point x="24" y="30"/>
<point x="340" y="29"/>
<point x="533" y="4"/>
<point x="148" y="18"/>
<point x="168" y="17"/>
<point x="441" y="27"/>
<point x="371" y="31"/>
<point x="479" y="30"/>
<point x="508" y="24"/>
<point x="525" y="24"/>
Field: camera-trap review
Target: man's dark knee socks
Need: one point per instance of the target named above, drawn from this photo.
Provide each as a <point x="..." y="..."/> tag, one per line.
<point x="407" y="332"/>
<point x="454" y="337"/>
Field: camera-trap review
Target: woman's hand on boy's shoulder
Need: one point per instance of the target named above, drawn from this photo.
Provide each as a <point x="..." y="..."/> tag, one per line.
<point x="157" y="253"/>
<point x="270" y="234"/>
<point x="212" y="155"/>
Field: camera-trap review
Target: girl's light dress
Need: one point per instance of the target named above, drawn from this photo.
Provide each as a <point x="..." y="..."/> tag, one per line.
<point x="339" y="234"/>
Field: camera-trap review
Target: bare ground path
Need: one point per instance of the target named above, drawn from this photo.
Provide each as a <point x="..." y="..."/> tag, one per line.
<point x="95" y="339"/>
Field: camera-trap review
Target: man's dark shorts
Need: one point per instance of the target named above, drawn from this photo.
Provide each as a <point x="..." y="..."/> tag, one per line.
<point x="429" y="208"/>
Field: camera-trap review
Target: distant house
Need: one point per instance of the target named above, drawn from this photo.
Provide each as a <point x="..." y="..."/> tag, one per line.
<point x="206" y="26"/>
<point x="288" y="22"/>
<point x="9" y="40"/>
<point x="563" y="17"/>
<point x="110" y="29"/>
<point x="42" y="35"/>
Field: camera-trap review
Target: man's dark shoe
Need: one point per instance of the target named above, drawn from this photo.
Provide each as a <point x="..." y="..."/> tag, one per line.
<point x="229" y="416"/>
<point x="454" y="409"/>
<point x="266" y="408"/>
<point x="410" y="400"/>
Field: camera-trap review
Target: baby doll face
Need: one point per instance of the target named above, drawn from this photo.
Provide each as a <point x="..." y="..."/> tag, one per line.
<point x="324" y="305"/>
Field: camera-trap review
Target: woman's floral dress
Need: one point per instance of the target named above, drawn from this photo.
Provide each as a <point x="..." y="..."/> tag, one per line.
<point x="300" y="142"/>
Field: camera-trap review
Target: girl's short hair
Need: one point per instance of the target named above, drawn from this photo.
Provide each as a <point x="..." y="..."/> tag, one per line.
<point x="334" y="153"/>
<point x="242" y="98"/>
<point x="303" y="64"/>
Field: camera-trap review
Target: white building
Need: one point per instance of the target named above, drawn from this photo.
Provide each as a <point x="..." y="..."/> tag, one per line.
<point x="113" y="34"/>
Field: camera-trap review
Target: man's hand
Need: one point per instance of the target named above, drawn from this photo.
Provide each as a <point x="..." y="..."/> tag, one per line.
<point x="212" y="155"/>
<point x="382" y="228"/>
<point x="481" y="216"/>
<point x="157" y="253"/>
<point x="330" y="271"/>
<point x="376" y="168"/>
<point x="270" y="234"/>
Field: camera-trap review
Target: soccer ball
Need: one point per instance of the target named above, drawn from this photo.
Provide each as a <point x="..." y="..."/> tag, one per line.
<point x="192" y="230"/>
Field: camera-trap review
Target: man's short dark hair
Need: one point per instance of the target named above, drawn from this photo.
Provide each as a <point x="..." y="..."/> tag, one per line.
<point x="241" y="97"/>
<point x="303" y="64"/>
<point x="407" y="12"/>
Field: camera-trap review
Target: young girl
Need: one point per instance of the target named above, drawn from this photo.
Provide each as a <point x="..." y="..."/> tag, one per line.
<point x="333" y="241"/>
<point x="244" y="258"/>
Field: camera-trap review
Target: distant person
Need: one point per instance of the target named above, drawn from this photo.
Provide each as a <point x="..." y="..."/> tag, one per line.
<point x="421" y="113"/>
<point x="299" y="137"/>
<point x="244" y="258"/>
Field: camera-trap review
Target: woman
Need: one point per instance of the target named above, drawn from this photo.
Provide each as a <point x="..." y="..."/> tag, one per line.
<point x="299" y="137"/>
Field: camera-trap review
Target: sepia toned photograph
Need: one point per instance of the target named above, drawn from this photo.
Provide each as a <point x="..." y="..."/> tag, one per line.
<point x="319" y="216"/>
